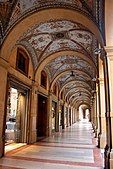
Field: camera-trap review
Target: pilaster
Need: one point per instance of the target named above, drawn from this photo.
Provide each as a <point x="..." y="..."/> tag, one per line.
<point x="49" y="115"/>
<point x="57" y="116"/>
<point x="102" y="115"/>
<point x="3" y="89"/>
<point x="109" y="51"/>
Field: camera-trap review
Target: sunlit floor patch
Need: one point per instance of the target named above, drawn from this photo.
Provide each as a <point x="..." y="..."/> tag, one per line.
<point x="13" y="146"/>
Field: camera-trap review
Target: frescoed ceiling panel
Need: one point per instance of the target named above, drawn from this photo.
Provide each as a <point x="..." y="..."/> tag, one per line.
<point x="59" y="35"/>
<point x="63" y="63"/>
<point x="25" y="5"/>
<point x="76" y="85"/>
<point x="43" y="40"/>
<point x="79" y="100"/>
<point x="78" y="92"/>
<point x="77" y="77"/>
<point x="76" y="89"/>
<point x="47" y="39"/>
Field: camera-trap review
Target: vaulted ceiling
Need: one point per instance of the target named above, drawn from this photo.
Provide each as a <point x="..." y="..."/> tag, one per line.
<point x="74" y="73"/>
<point x="54" y="36"/>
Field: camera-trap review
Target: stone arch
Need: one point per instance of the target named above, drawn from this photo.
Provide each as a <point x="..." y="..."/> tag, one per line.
<point x="14" y="33"/>
<point x="48" y="59"/>
<point x="63" y="73"/>
<point x="70" y="83"/>
<point x="80" y="101"/>
<point x="84" y="90"/>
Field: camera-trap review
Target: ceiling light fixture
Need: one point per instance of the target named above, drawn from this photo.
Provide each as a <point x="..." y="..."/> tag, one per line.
<point x="98" y="51"/>
<point x="72" y="74"/>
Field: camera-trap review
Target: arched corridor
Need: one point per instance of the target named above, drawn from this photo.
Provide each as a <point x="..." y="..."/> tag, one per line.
<point x="74" y="147"/>
<point x="56" y="66"/>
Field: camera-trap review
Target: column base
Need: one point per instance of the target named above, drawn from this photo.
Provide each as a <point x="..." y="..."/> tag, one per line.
<point x="101" y="141"/>
<point x="1" y="149"/>
<point x="107" y="157"/>
<point x="33" y="137"/>
<point x="111" y="159"/>
<point x="94" y="130"/>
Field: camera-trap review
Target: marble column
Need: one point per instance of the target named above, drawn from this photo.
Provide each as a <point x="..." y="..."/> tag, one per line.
<point x="102" y="108"/>
<point x="93" y="114"/>
<point x="49" y="115"/>
<point x="108" y="146"/>
<point x="78" y="118"/>
<point x="99" y="131"/>
<point x="57" y="117"/>
<point x="95" y="122"/>
<point x="73" y="112"/>
<point x="102" y="115"/>
<point x="3" y="106"/>
<point x="110" y="71"/>
<point x="33" y="114"/>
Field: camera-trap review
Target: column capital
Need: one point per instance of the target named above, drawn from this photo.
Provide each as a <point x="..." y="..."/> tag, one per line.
<point x="109" y="50"/>
<point x="101" y="81"/>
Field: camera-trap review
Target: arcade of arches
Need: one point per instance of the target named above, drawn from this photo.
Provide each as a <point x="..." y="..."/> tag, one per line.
<point x="56" y="65"/>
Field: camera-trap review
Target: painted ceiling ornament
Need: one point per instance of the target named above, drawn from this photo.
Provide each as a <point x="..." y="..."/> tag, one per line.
<point x="29" y="5"/>
<point x="20" y="8"/>
<point x="89" y="3"/>
<point x="78" y="91"/>
<point x="16" y="13"/>
<point x="66" y="62"/>
<point x="58" y="35"/>
<point x="78" y="84"/>
<point x="77" y="77"/>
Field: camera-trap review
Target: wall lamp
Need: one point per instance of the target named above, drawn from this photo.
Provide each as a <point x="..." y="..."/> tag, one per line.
<point x="95" y="80"/>
<point x="98" y="51"/>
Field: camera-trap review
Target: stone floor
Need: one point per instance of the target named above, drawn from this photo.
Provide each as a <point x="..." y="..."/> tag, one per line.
<point x="74" y="148"/>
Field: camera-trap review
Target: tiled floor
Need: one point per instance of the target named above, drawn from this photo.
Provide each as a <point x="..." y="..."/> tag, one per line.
<point x="74" y="148"/>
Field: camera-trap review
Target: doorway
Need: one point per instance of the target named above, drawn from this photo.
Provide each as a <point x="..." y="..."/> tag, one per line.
<point x="54" y="116"/>
<point x="42" y="117"/>
<point x="62" y="117"/>
<point x="16" y="117"/>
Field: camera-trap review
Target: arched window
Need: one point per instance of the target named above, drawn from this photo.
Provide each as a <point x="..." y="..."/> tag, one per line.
<point x="43" y="79"/>
<point x="22" y="61"/>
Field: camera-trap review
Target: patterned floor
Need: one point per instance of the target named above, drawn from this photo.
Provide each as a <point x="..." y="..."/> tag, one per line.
<point x="74" y="148"/>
